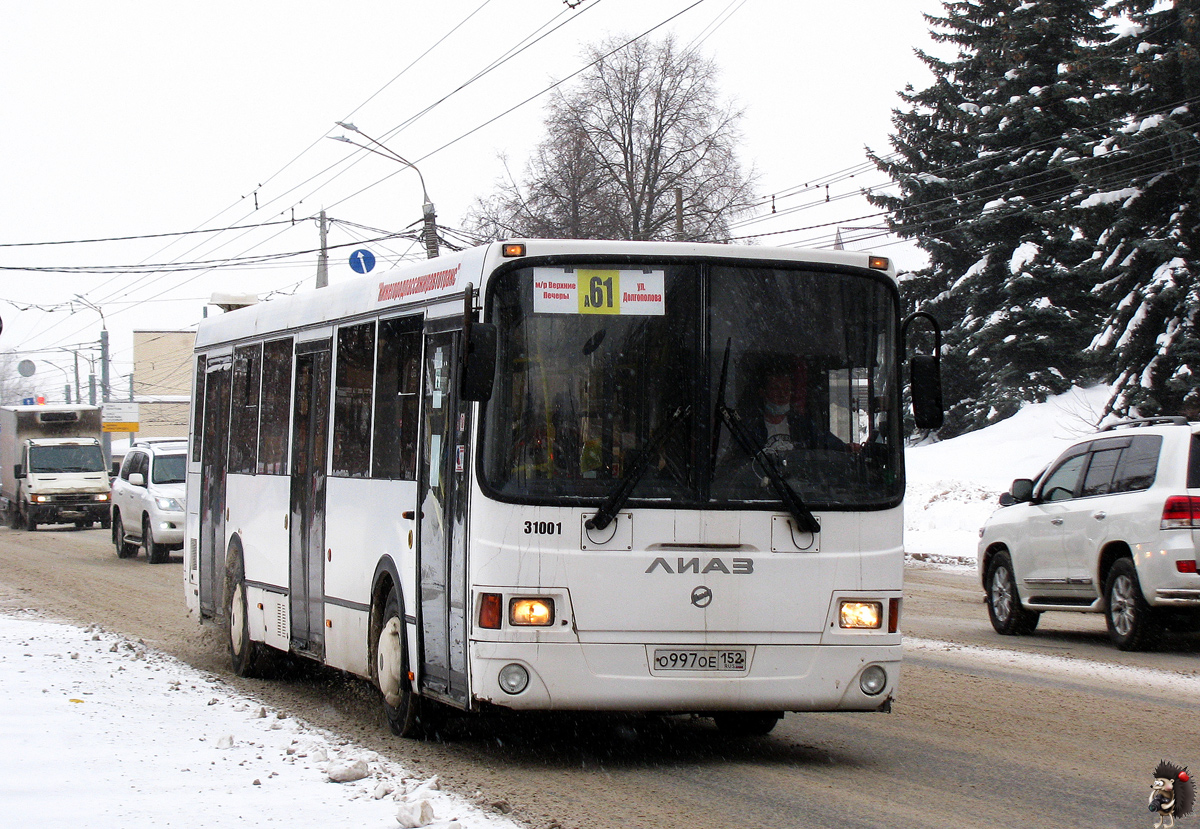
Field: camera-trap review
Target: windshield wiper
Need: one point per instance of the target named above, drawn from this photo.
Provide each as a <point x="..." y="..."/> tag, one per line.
<point x="612" y="505"/>
<point x="792" y="502"/>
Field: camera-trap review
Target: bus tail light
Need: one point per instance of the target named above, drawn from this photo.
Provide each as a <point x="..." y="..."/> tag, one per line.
<point x="860" y="615"/>
<point x="1181" y="512"/>
<point x="489" y="611"/>
<point x="531" y="612"/>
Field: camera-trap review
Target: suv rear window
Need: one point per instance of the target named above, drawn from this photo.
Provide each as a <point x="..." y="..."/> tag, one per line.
<point x="1139" y="464"/>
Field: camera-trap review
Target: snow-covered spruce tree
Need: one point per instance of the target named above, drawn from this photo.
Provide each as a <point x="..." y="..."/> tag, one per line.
<point x="1142" y="184"/>
<point x="976" y="162"/>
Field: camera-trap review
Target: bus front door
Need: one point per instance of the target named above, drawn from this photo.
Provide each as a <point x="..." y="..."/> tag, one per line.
<point x="442" y="492"/>
<point x="214" y="451"/>
<point x="306" y="579"/>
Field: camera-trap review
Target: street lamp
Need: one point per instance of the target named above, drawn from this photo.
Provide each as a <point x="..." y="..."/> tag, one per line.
<point x="67" y="379"/>
<point x="429" y="232"/>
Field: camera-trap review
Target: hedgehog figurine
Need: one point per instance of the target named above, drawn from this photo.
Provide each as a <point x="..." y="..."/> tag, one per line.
<point x="1172" y="795"/>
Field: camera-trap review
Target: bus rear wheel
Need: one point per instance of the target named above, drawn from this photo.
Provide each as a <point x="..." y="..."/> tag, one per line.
<point x="400" y="704"/>
<point x="248" y="658"/>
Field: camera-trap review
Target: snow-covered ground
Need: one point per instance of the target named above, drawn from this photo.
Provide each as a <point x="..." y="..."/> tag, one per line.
<point x="97" y="731"/>
<point x="101" y="732"/>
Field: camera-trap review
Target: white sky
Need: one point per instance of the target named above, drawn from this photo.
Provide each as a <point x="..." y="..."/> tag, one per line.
<point x="133" y="118"/>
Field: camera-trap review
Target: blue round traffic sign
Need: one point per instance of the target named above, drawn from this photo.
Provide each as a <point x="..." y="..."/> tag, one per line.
<point x="362" y="260"/>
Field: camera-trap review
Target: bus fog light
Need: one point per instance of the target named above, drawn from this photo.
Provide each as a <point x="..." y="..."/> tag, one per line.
<point x="533" y="612"/>
<point x="872" y="680"/>
<point x="860" y="615"/>
<point x="513" y="679"/>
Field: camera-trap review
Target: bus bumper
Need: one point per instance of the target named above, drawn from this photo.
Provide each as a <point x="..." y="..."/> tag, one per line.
<point x="618" y="677"/>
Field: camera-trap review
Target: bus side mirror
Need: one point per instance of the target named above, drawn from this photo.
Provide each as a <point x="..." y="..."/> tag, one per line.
<point x="925" y="384"/>
<point x="479" y="362"/>
<point x="18" y="472"/>
<point x="925" y="376"/>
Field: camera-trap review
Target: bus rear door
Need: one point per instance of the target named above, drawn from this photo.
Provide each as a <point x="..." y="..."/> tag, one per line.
<point x="214" y="452"/>
<point x="310" y="429"/>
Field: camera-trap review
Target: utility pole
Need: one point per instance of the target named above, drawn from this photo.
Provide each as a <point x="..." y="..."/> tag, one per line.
<point x="104" y="388"/>
<point x="323" y="258"/>
<point x="678" y="214"/>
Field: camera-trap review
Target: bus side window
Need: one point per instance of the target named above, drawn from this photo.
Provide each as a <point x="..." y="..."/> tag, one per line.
<point x="352" y="400"/>
<point x="243" y="444"/>
<point x="276" y="407"/>
<point x="397" y="400"/>
<point x="197" y="408"/>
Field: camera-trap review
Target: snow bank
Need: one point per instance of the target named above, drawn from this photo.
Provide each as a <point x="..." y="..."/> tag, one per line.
<point x="102" y="732"/>
<point x="953" y="485"/>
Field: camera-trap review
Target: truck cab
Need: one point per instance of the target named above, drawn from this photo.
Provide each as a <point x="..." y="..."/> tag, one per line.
<point x="52" y="466"/>
<point x="62" y="481"/>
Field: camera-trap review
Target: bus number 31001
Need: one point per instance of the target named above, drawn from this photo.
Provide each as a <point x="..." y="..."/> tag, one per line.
<point x="543" y="528"/>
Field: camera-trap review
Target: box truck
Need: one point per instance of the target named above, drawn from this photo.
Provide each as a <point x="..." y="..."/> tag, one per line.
<point x="52" y="468"/>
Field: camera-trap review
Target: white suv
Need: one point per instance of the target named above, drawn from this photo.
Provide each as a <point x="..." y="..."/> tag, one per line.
<point x="1110" y="527"/>
<point x="148" y="499"/>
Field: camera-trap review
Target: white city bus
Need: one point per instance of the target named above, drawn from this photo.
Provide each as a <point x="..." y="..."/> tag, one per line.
<point x="564" y="475"/>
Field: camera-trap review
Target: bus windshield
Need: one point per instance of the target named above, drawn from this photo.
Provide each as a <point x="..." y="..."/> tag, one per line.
<point x="65" y="457"/>
<point x="604" y="369"/>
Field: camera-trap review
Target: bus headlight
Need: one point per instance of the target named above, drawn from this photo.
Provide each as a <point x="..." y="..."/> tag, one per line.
<point x="531" y="612"/>
<point x="513" y="679"/>
<point x="860" y="615"/>
<point x="872" y="680"/>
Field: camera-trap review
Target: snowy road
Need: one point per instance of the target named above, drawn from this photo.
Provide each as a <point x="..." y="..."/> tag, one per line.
<point x="990" y="734"/>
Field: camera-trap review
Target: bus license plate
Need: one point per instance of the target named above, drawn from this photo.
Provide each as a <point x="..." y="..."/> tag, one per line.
<point x="671" y="659"/>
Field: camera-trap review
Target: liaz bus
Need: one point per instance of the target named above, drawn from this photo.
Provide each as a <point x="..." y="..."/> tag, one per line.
<point x="565" y="475"/>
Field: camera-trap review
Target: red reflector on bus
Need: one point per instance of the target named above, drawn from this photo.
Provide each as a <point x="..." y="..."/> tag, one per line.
<point x="489" y="611"/>
<point x="1186" y="566"/>
<point x="1181" y="512"/>
<point x="893" y="615"/>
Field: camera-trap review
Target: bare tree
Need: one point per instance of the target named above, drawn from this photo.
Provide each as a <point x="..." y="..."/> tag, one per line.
<point x="643" y="121"/>
<point x="13" y="387"/>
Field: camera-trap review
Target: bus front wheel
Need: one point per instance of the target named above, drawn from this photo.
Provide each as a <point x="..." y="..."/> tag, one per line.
<point x="400" y="704"/>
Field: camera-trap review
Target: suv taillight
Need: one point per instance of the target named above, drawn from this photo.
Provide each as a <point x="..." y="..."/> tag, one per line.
<point x="1181" y="512"/>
